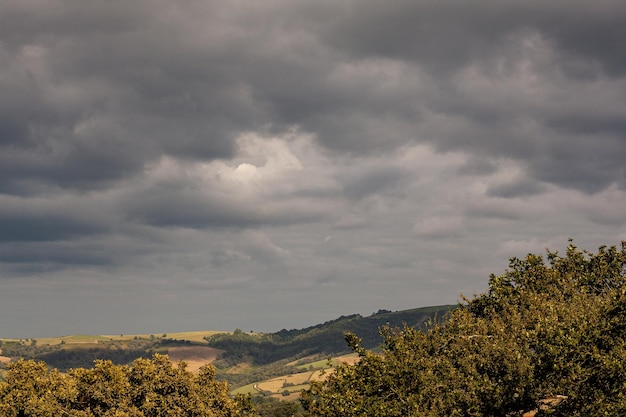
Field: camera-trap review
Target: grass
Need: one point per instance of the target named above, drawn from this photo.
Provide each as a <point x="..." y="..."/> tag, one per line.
<point x="321" y="364"/>
<point x="246" y="389"/>
<point x="74" y="339"/>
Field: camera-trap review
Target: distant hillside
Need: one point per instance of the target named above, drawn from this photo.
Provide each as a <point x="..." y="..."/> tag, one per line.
<point x="65" y="356"/>
<point x="326" y="338"/>
<point x="245" y="358"/>
<point x="80" y="351"/>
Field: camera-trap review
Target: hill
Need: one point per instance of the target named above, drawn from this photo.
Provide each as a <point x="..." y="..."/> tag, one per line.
<point x="322" y="339"/>
<point x="252" y="358"/>
<point x="240" y="358"/>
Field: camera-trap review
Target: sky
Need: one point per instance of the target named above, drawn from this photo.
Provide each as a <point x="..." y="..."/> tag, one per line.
<point x="189" y="165"/>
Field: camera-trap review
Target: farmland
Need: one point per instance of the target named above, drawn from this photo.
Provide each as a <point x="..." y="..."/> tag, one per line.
<point x="289" y="386"/>
<point x="65" y="352"/>
<point x="277" y="365"/>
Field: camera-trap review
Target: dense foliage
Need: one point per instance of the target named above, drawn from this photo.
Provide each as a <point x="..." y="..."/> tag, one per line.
<point x="271" y="407"/>
<point x="147" y="388"/>
<point x="544" y="329"/>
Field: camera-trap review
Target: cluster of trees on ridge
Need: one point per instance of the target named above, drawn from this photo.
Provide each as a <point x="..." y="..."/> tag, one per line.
<point x="323" y="339"/>
<point x="545" y="328"/>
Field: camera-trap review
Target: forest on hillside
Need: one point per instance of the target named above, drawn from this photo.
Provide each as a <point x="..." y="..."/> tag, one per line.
<point x="323" y="339"/>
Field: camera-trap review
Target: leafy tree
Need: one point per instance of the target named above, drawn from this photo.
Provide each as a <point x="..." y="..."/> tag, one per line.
<point x="147" y="388"/>
<point x="30" y="389"/>
<point x="544" y="328"/>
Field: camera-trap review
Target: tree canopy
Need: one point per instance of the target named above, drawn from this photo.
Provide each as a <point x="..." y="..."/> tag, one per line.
<point x="147" y="388"/>
<point x="548" y="335"/>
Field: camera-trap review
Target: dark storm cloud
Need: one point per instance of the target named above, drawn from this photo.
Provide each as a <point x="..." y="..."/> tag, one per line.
<point x="51" y="219"/>
<point x="583" y="42"/>
<point x="587" y="164"/>
<point x="29" y="257"/>
<point x="447" y="34"/>
<point x="161" y="145"/>
<point x="21" y="228"/>
<point x="97" y="91"/>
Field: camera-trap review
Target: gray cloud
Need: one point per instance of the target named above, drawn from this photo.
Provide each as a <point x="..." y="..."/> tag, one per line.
<point x="375" y="180"/>
<point x="111" y="87"/>
<point x="450" y="33"/>
<point x="290" y="154"/>
<point x="521" y="188"/>
<point x="21" y="228"/>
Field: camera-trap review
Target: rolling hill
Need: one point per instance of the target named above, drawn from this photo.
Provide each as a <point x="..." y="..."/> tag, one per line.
<point x="323" y="339"/>
<point x="259" y="361"/>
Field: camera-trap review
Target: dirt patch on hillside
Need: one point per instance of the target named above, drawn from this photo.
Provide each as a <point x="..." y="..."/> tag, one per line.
<point x="194" y="356"/>
<point x="5" y="359"/>
<point x="351" y="360"/>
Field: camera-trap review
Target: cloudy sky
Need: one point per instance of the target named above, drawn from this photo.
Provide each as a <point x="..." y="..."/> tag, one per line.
<point x="192" y="164"/>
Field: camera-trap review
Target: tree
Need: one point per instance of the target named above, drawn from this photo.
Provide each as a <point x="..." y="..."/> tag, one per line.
<point x="542" y="329"/>
<point x="30" y="389"/>
<point x="147" y="388"/>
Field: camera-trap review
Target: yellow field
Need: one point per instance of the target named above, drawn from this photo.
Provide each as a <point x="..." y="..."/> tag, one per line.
<point x="296" y="382"/>
<point x="321" y="374"/>
<point x="297" y="379"/>
<point x="272" y="385"/>
<point x="351" y="358"/>
<point x="293" y="383"/>
<point x="193" y="336"/>
<point x="197" y="337"/>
